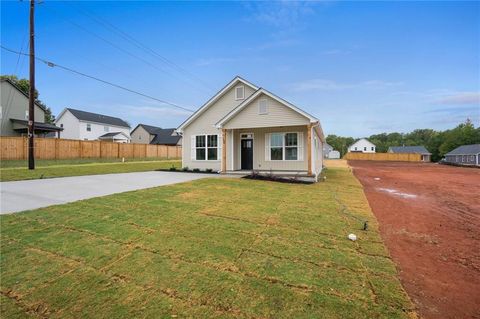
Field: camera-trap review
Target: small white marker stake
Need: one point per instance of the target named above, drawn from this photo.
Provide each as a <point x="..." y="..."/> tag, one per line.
<point x="352" y="237"/>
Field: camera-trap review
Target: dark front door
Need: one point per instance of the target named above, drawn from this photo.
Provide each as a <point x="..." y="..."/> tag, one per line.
<point x="247" y="154"/>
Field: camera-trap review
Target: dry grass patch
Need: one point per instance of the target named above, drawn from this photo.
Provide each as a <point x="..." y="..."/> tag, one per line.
<point x="230" y="248"/>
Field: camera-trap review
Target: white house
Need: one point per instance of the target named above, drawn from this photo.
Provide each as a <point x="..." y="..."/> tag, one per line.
<point x="362" y="146"/>
<point x="245" y="128"/>
<point x="82" y="125"/>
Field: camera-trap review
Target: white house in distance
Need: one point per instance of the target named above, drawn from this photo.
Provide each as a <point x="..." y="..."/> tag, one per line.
<point x="87" y="126"/>
<point x="246" y="128"/>
<point x="362" y="146"/>
<point x="329" y="152"/>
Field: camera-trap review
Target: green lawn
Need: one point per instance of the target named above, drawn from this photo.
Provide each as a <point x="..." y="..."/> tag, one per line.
<point x="70" y="169"/>
<point x="75" y="161"/>
<point x="228" y="248"/>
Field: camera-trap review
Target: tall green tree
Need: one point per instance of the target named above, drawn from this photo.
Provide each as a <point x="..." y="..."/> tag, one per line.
<point x="24" y="86"/>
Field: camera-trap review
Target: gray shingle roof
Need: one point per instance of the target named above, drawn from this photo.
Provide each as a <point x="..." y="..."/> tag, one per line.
<point x="409" y="149"/>
<point x="98" y="118"/>
<point x="466" y="150"/>
<point x="149" y="128"/>
<point x="111" y="134"/>
<point x="165" y="137"/>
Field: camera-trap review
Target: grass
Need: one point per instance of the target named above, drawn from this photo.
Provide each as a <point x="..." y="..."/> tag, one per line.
<point x="15" y="173"/>
<point x="226" y="248"/>
<point x="75" y="161"/>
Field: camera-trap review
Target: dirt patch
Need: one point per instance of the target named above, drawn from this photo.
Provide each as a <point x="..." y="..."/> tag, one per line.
<point x="429" y="218"/>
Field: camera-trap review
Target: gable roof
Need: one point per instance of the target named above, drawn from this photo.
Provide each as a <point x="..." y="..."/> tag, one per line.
<point x="112" y="134"/>
<point x="166" y="136"/>
<point x="360" y="139"/>
<point x="95" y="117"/>
<point x="219" y="94"/>
<point x="242" y="105"/>
<point x="466" y="150"/>
<point x="23" y="93"/>
<point x="409" y="149"/>
<point x="149" y="128"/>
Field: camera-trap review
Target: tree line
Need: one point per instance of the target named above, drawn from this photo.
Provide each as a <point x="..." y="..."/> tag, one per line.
<point x="436" y="142"/>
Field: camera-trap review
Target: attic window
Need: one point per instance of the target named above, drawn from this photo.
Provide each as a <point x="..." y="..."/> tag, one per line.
<point x="262" y="107"/>
<point x="239" y="92"/>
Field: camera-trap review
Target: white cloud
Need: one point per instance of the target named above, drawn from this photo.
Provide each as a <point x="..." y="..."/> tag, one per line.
<point x="329" y="85"/>
<point x="463" y="98"/>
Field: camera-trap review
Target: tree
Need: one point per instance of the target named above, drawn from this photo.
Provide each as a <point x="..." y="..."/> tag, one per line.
<point x="437" y="143"/>
<point x="24" y="86"/>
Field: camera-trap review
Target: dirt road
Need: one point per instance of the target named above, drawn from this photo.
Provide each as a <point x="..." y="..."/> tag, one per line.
<point x="429" y="218"/>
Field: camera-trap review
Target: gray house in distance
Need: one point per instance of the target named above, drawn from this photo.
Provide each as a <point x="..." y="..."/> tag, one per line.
<point x="14" y="113"/>
<point x="426" y="155"/>
<point x="148" y="134"/>
<point x="464" y="155"/>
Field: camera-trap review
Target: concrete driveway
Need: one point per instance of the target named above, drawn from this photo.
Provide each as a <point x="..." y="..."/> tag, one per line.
<point x="25" y="195"/>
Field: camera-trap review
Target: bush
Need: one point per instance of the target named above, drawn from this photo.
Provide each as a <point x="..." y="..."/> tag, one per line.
<point x="196" y="170"/>
<point x="209" y="170"/>
<point x="173" y="168"/>
<point x="185" y="169"/>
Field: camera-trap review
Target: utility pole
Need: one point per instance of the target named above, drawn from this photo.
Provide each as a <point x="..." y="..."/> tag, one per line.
<point x="31" y="100"/>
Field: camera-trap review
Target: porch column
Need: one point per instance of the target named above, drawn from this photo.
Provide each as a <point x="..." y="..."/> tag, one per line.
<point x="309" y="148"/>
<point x="224" y="150"/>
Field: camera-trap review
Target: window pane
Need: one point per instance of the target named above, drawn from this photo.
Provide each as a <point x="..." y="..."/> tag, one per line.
<point x="212" y="141"/>
<point x="291" y="153"/>
<point x="200" y="154"/>
<point x="200" y="141"/>
<point x="276" y="139"/>
<point x="212" y="154"/>
<point x="291" y="139"/>
<point x="276" y="153"/>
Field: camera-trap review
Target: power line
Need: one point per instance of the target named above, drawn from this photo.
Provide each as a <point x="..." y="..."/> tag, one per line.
<point x="138" y="44"/>
<point x="51" y="64"/>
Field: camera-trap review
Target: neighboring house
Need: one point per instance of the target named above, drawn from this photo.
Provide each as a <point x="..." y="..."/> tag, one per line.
<point x="426" y="155"/>
<point x="14" y="113"/>
<point x="148" y="134"/>
<point x="82" y="125"/>
<point x="245" y="128"/>
<point x="464" y="155"/>
<point x="362" y="146"/>
<point x="329" y="152"/>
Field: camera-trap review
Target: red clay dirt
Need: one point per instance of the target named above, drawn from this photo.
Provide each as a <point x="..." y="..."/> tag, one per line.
<point x="429" y="217"/>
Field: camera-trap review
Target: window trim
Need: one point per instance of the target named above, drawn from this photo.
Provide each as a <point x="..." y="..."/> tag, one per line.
<point x="284" y="147"/>
<point x="243" y="91"/>
<point x="206" y="148"/>
<point x="89" y="127"/>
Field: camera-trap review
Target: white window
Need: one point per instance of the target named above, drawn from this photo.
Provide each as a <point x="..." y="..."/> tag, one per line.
<point x="61" y="125"/>
<point x="205" y="147"/>
<point x="89" y="127"/>
<point x="239" y="92"/>
<point x="355" y="148"/>
<point x="106" y="128"/>
<point x="365" y="148"/>
<point x="373" y="148"/>
<point x="262" y="107"/>
<point x="284" y="146"/>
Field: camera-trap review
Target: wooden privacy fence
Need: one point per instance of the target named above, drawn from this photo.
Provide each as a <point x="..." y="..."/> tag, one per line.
<point x="399" y="157"/>
<point x="15" y="148"/>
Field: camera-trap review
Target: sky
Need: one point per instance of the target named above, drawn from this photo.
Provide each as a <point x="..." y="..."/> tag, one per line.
<point x="361" y="68"/>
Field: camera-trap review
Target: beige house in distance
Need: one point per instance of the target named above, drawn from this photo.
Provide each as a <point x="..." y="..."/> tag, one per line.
<point x="244" y="128"/>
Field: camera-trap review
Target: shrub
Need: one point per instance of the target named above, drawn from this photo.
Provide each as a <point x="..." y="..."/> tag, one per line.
<point x="185" y="169"/>
<point x="196" y="170"/>
<point x="173" y="168"/>
<point x="209" y="170"/>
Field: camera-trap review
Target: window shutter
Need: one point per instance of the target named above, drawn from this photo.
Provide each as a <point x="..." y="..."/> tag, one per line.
<point x="267" y="146"/>
<point x="219" y="147"/>
<point x="193" y="152"/>
<point x="300" y="146"/>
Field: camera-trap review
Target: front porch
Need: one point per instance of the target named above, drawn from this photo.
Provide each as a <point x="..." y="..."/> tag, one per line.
<point x="284" y="151"/>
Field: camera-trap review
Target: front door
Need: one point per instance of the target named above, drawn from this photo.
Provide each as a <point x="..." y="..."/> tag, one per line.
<point x="247" y="154"/>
